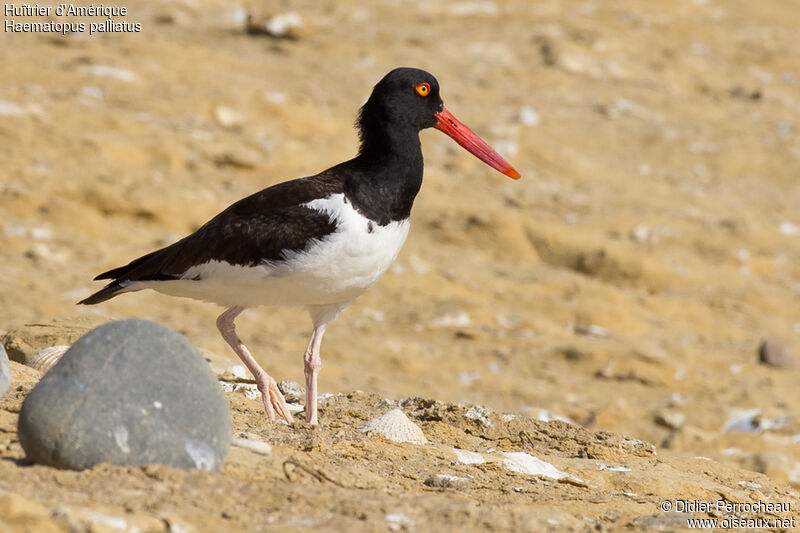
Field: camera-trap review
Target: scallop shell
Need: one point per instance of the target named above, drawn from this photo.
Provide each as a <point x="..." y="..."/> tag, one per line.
<point x="45" y="359"/>
<point x="396" y="427"/>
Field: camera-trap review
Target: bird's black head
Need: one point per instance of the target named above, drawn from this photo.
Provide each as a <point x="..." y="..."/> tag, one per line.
<point x="406" y="99"/>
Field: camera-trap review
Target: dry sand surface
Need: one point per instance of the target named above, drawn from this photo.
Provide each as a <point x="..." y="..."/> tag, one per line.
<point x="624" y="284"/>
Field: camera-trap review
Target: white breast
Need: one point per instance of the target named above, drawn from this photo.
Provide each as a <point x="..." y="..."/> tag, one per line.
<point x="349" y="261"/>
<point x="334" y="269"/>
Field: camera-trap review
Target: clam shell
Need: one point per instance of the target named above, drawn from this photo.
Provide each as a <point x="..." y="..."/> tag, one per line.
<point x="45" y="359"/>
<point x="396" y="427"/>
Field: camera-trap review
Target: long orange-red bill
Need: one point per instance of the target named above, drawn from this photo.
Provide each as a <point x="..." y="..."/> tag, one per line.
<point x="472" y="143"/>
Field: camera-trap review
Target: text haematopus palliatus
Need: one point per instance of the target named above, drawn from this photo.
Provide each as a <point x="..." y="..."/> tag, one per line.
<point x="317" y="242"/>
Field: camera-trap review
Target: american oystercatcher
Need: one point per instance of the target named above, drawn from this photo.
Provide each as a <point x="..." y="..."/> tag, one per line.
<point x="317" y="242"/>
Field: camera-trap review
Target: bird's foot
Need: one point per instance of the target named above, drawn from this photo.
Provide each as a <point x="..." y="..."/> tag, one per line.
<point x="274" y="403"/>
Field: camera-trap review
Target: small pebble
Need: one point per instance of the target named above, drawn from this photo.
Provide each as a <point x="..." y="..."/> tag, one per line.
<point x="528" y="116"/>
<point x="670" y="419"/>
<point x="457" y="320"/>
<point x="250" y="390"/>
<point x="479" y="413"/>
<point x="228" y="117"/>
<point x="282" y="26"/>
<point x="789" y="228"/>
<point x="771" y="353"/>
<point x="292" y="391"/>
<point x="446" y="481"/>
<point x="590" y="330"/>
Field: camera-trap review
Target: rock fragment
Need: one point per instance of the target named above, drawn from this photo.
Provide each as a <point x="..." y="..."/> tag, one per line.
<point x="670" y="419"/>
<point x="771" y="353"/>
<point x="281" y="26"/>
<point x="228" y="117"/>
<point x="446" y="481"/>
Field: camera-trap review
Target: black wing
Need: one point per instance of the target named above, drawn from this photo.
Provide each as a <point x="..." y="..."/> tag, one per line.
<point x="261" y="227"/>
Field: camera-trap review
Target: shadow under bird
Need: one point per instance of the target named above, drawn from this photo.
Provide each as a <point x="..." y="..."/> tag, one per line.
<point x="317" y="242"/>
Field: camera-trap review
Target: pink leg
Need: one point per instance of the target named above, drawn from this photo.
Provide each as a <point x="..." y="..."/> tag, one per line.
<point x="321" y="315"/>
<point x="272" y="397"/>
<point x="313" y="363"/>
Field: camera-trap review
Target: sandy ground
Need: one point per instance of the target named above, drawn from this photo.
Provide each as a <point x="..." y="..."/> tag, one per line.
<point x="625" y="283"/>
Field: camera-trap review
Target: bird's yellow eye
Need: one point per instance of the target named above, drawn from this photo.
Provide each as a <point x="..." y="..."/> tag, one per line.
<point x="423" y="89"/>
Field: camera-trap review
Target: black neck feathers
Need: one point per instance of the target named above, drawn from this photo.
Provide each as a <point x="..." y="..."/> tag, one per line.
<point x="385" y="177"/>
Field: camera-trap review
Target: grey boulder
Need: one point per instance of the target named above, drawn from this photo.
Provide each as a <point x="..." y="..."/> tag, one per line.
<point x="129" y="392"/>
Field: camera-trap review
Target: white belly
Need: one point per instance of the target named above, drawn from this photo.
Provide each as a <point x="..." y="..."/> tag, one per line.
<point x="332" y="270"/>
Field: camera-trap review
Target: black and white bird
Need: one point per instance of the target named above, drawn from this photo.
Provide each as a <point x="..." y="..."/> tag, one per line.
<point x="317" y="242"/>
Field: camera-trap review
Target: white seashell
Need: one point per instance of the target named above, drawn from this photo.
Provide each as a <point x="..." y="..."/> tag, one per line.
<point x="47" y="358"/>
<point x="396" y="427"/>
<point x="254" y="445"/>
<point x="524" y="463"/>
<point x="613" y="468"/>
<point x="468" y="458"/>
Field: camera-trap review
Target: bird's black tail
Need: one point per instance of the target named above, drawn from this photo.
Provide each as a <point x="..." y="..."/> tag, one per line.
<point x="145" y="268"/>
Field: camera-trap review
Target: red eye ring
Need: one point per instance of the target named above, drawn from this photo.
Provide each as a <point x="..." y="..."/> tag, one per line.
<point x="423" y="89"/>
